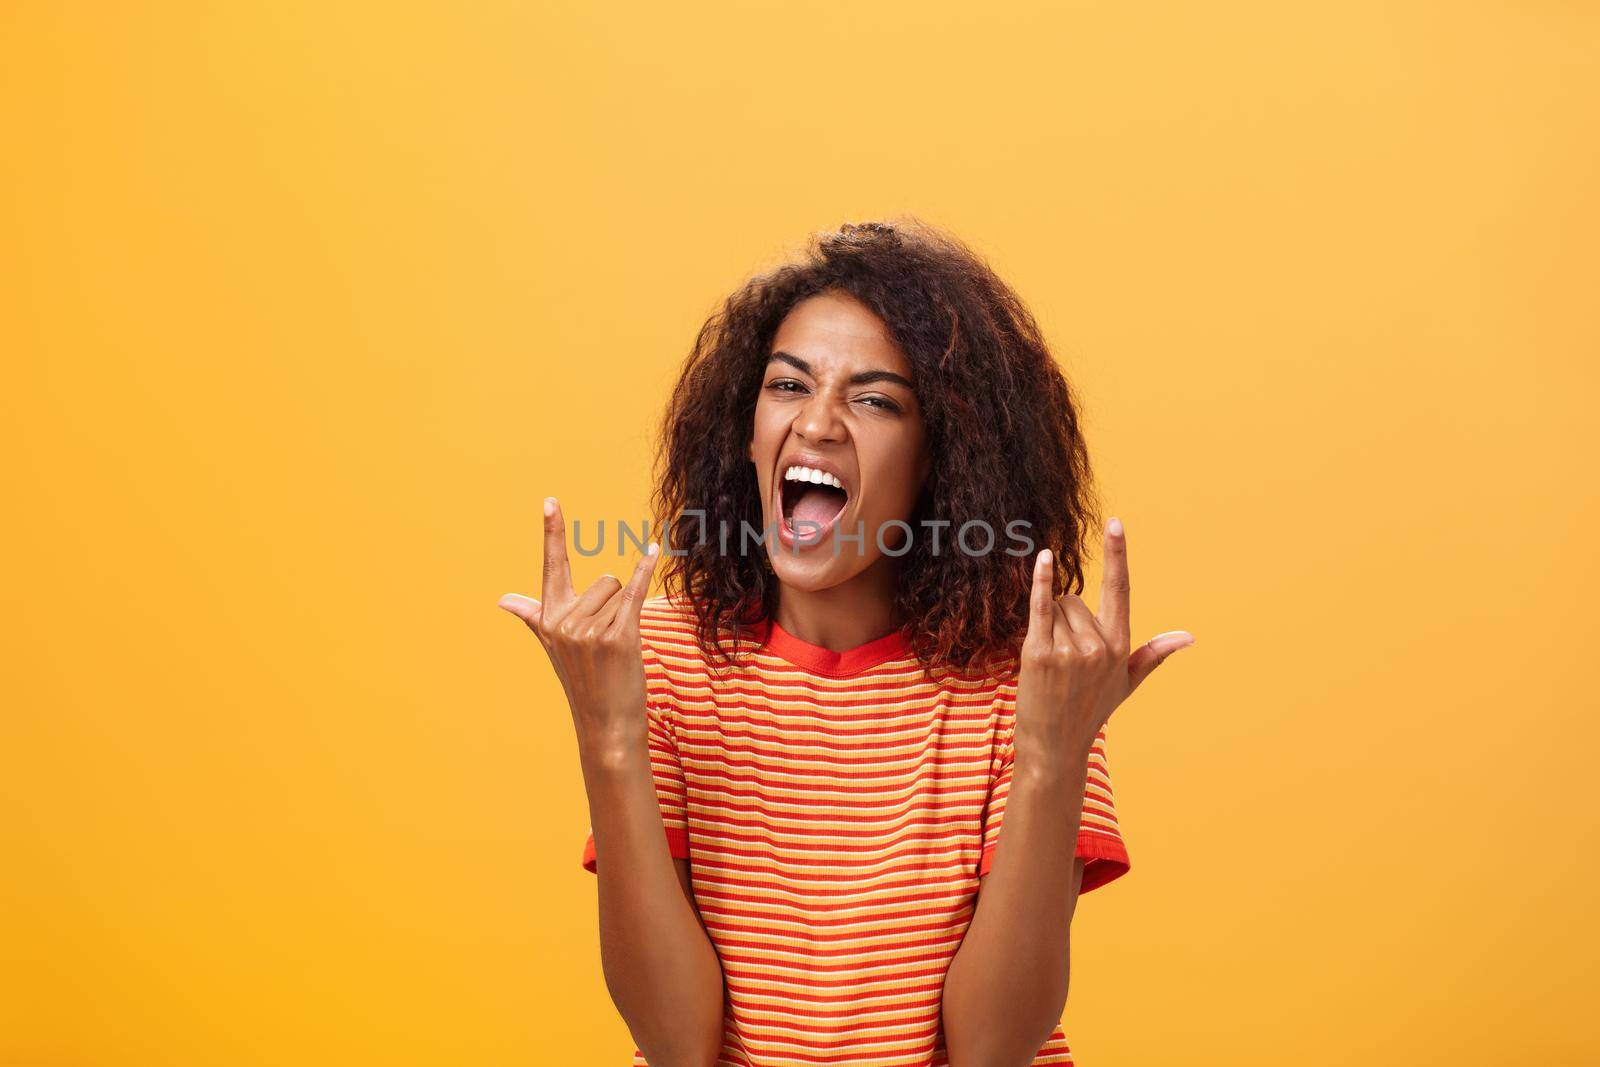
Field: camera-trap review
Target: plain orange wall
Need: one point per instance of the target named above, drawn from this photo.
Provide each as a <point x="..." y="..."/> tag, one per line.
<point x="305" y="307"/>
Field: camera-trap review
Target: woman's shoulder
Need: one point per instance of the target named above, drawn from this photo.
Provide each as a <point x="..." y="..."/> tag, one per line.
<point x="668" y="624"/>
<point x="665" y="610"/>
<point x="995" y="676"/>
<point x="671" y="652"/>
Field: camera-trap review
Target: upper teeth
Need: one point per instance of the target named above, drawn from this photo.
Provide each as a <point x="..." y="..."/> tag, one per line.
<point x="812" y="475"/>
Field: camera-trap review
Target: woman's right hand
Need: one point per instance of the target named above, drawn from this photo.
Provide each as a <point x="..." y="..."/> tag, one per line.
<point x="592" y="641"/>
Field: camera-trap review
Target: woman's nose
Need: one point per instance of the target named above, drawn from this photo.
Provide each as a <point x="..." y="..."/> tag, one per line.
<point x="819" y="420"/>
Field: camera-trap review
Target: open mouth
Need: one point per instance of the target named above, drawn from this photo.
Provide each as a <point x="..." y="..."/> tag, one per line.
<point x="811" y="500"/>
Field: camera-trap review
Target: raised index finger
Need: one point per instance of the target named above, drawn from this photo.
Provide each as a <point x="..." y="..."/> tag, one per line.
<point x="1041" y="602"/>
<point x="557" y="571"/>
<point x="1114" y="584"/>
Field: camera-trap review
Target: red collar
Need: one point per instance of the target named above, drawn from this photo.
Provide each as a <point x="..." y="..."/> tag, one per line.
<point x="780" y="642"/>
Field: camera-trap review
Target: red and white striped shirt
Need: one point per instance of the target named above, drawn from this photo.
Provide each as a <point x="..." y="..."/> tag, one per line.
<point x="836" y="810"/>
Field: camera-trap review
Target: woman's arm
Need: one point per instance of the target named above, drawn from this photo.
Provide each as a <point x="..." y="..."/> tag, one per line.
<point x="660" y="967"/>
<point x="1007" y="985"/>
<point x="659" y="964"/>
<point x="1010" y="974"/>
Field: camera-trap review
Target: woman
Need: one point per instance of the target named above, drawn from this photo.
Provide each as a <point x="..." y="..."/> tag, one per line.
<point x="798" y="760"/>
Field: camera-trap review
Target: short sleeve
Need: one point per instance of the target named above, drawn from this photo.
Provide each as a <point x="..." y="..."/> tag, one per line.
<point x="1100" y="841"/>
<point x="667" y="770"/>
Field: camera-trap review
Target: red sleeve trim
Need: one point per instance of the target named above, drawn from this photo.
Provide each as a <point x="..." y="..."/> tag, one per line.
<point x="1105" y="859"/>
<point x="677" y="846"/>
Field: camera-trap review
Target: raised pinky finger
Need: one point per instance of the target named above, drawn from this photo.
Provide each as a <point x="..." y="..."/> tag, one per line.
<point x="638" y="588"/>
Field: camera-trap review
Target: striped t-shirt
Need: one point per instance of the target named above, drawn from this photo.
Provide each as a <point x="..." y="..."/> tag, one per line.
<point x="836" y="810"/>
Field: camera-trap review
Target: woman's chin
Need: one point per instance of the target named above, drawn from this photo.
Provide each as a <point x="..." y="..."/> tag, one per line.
<point x="811" y="570"/>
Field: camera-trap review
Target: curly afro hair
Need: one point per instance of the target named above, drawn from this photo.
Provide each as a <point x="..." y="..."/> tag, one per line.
<point x="1003" y="430"/>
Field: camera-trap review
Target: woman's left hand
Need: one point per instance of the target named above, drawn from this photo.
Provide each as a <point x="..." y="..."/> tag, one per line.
<point x="1076" y="669"/>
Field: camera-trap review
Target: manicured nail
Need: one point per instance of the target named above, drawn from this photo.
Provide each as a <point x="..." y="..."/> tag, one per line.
<point x="1044" y="557"/>
<point x="1115" y="526"/>
<point x="653" y="549"/>
<point x="549" y="506"/>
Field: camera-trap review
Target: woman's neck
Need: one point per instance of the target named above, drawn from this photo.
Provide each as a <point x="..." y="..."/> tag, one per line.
<point x="845" y="616"/>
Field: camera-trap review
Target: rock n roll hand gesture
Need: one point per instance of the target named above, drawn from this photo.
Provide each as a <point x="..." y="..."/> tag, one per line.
<point x="592" y="641"/>
<point x="1076" y="668"/>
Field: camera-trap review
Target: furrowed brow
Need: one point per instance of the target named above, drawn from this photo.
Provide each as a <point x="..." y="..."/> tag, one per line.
<point x="794" y="361"/>
<point x="868" y="377"/>
<point x="864" y="378"/>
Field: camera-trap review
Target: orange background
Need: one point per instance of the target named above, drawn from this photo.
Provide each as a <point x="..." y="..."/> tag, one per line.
<point x="305" y="307"/>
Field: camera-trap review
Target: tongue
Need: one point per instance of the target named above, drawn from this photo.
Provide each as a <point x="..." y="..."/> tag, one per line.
<point x="818" y="505"/>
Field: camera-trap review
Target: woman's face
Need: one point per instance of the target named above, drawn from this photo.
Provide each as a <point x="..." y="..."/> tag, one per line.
<point x="836" y="398"/>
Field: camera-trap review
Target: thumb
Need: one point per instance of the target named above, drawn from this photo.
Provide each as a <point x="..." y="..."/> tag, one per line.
<point x="525" y="608"/>
<point x="1150" y="655"/>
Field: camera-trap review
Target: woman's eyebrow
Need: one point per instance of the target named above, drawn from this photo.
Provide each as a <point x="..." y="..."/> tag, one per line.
<point x="864" y="378"/>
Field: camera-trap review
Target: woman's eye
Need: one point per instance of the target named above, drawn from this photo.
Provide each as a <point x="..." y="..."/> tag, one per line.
<point x="881" y="402"/>
<point x="784" y="385"/>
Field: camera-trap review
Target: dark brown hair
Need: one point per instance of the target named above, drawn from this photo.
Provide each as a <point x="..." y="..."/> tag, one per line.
<point x="1003" y="432"/>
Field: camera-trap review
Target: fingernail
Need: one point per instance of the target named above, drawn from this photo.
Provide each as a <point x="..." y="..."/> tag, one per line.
<point x="549" y="506"/>
<point x="506" y="602"/>
<point x="1044" y="557"/>
<point x="653" y="549"/>
<point x="1115" y="526"/>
